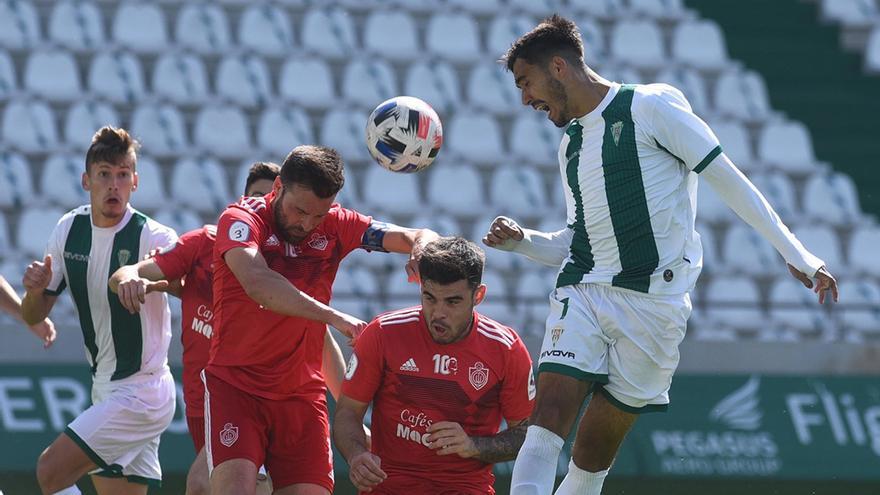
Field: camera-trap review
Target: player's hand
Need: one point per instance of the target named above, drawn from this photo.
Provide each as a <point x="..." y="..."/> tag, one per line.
<point x="38" y="275"/>
<point x="132" y="292"/>
<point x="365" y="471"/>
<point x="447" y="437"/>
<point x="503" y="234"/>
<point x="824" y="282"/>
<point x="45" y="331"/>
<point x="349" y="325"/>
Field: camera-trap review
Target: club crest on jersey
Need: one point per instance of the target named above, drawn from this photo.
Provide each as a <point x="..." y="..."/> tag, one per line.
<point x="318" y="241"/>
<point x="616" y="129"/>
<point x="228" y="435"/>
<point x="555" y="333"/>
<point x="478" y="375"/>
<point x="123" y="255"/>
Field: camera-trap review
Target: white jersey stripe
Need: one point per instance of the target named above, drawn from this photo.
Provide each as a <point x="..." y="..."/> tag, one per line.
<point x="494" y="336"/>
<point x="490" y="324"/>
<point x="386" y="323"/>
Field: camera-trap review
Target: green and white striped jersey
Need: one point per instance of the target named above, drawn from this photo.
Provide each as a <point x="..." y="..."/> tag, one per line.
<point x="630" y="194"/>
<point x="118" y="344"/>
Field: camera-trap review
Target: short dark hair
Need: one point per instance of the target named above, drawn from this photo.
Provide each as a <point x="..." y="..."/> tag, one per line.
<point x="449" y="259"/>
<point x="553" y="36"/>
<point x="259" y="171"/>
<point x="318" y="168"/>
<point x="111" y="144"/>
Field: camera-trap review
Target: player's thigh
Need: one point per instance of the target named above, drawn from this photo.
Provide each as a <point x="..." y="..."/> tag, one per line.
<point x="235" y="426"/>
<point x="299" y="450"/>
<point x="118" y="486"/>
<point x="558" y="401"/>
<point x="197" y="482"/>
<point x="600" y="432"/>
<point x="62" y="463"/>
<point x="303" y="489"/>
<point x="234" y="477"/>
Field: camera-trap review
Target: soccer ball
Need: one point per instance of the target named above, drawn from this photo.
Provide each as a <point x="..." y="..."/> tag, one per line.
<point x="404" y="134"/>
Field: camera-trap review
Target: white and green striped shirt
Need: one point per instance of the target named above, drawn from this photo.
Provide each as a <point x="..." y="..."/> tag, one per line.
<point x="119" y="344"/>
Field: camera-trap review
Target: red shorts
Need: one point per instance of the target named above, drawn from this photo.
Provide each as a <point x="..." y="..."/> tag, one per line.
<point x="290" y="437"/>
<point x="196" y="427"/>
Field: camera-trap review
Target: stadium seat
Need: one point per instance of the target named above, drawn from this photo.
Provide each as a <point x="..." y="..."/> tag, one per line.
<point x="500" y="310"/>
<point x="355" y="282"/>
<point x="535" y="139"/>
<point x="658" y="9"/>
<point x="479" y="7"/>
<point x="6" y="247"/>
<point x="734" y="302"/>
<point x="638" y="43"/>
<point x="796" y="307"/>
<point x="16" y="183"/>
<point x="52" y="74"/>
<point x="746" y="252"/>
<point x="491" y="88"/>
<point x="496" y="285"/>
<point x="442" y="223"/>
<point x="150" y="193"/>
<point x="872" y="52"/>
<point x="456" y="189"/>
<point x="860" y="308"/>
<point x="832" y="198"/>
<point x="368" y="82"/>
<point x="35" y="225"/>
<point x="710" y="207"/>
<point x="534" y="287"/>
<point x="203" y="28"/>
<point x="8" y="84"/>
<point x="435" y="82"/>
<point x="141" y="27"/>
<point x="343" y="129"/>
<point x="594" y="40"/>
<point x="307" y="81"/>
<point x="181" y="78"/>
<point x="603" y="9"/>
<point x="691" y="83"/>
<point x="329" y="32"/>
<point x="453" y="37"/>
<point x="61" y="181"/>
<point x="391" y="192"/>
<point x="734" y="139"/>
<point x="475" y="137"/>
<point x="787" y="145"/>
<point x="518" y="190"/>
<point x="117" y="76"/>
<point x="19" y="24"/>
<point x="713" y="261"/>
<point x="200" y="184"/>
<point x="780" y="193"/>
<point x="222" y="130"/>
<point x="419" y="6"/>
<point x="699" y="44"/>
<point x="851" y="13"/>
<point x="266" y="29"/>
<point x="349" y="196"/>
<point x="862" y="254"/>
<point x="76" y="25"/>
<point x="399" y="292"/>
<point x="29" y="125"/>
<point x="282" y="128"/>
<point x="824" y="243"/>
<point x="84" y="118"/>
<point x="180" y="219"/>
<point x="243" y="80"/>
<point x="742" y="95"/>
<point x="391" y="35"/>
<point x="505" y="29"/>
<point x="160" y="129"/>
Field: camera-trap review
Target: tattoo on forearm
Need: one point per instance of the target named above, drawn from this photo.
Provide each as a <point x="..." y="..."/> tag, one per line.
<point x="502" y="447"/>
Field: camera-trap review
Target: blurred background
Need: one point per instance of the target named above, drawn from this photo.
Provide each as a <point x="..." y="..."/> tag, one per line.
<point x="775" y="394"/>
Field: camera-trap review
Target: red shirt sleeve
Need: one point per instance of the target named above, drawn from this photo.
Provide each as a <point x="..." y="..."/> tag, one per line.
<point x="364" y="373"/>
<point x="352" y="226"/>
<point x="518" y="389"/>
<point x="176" y="260"/>
<point x="238" y="228"/>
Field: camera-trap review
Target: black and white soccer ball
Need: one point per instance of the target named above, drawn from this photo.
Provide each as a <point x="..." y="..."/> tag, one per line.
<point x="404" y="134"/>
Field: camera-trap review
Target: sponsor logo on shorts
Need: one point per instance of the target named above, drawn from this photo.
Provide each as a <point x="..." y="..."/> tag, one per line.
<point x="228" y="435"/>
<point x="555" y="333"/>
<point x="558" y="353"/>
<point x="318" y="241"/>
<point x="478" y="375"/>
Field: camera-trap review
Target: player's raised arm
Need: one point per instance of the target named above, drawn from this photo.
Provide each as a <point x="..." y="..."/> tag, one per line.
<point x="37" y="303"/>
<point x="547" y="248"/>
<point x="365" y="468"/>
<point x="133" y="282"/>
<point x="392" y="238"/>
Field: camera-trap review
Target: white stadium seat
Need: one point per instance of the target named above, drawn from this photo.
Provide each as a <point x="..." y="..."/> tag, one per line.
<point x="713" y="261"/>
<point x="475" y="137"/>
<point x="851" y="13"/>
<point x="454" y="37"/>
<point x="6" y="247"/>
<point x="780" y="193"/>
<point x="699" y="44"/>
<point x="742" y="95"/>
<point x="329" y="32"/>
<point x="862" y="253"/>
<point x="343" y="129"/>
<point x="638" y="43"/>
<point x="691" y="83"/>
<point x="710" y="207"/>
<point x="307" y="81"/>
<point x="266" y="30"/>
<point x="200" y="184"/>
<point x="117" y="76"/>
<point x="16" y="183"/>
<point x="35" y="225"/>
<point x="505" y="29"/>
<point x="150" y="194"/>
<point x="84" y="118"/>
<point x="832" y="198"/>
<point x="282" y="128"/>
<point x="518" y="190"/>
<point x="355" y="282"/>
<point x="603" y="9"/>
<point x="141" y="27"/>
<point x="872" y="52"/>
<point x="400" y="293"/>
<point x="391" y="192"/>
<point x="796" y="307"/>
<point x="491" y="88"/>
<point x="368" y="82"/>
<point x="435" y="82"/>
<point x="8" y="84"/>
<point x="495" y="284"/>
<point x="483" y="7"/>
<point x="456" y="189"/>
<point x="594" y="40"/>
<point x="180" y="219"/>
<point x="745" y="251"/>
<point x="535" y="139"/>
<point x="824" y="243"/>
<point x="418" y="6"/>
<point x="787" y="145"/>
<point x="660" y="9"/>
<point x="62" y="181"/>
<point x="535" y="286"/>
<point x="734" y="139"/>
<point x="734" y="302"/>
<point x="160" y="129"/>
<point x="222" y="130"/>
<point x="19" y="24"/>
<point x="180" y="77"/>
<point x="52" y="74"/>
<point x="537" y="7"/>
<point x="76" y="25"/>
<point x="203" y="28"/>
<point x="243" y="80"/>
<point x="860" y="306"/>
<point x="29" y="126"/>
<point x="442" y="223"/>
<point x="391" y="35"/>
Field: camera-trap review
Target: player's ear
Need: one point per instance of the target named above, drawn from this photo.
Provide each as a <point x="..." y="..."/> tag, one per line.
<point x="134" y="179"/>
<point x="479" y="294"/>
<point x="85" y="181"/>
<point x="276" y="185"/>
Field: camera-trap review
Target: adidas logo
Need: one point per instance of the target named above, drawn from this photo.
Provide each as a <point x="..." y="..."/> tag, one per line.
<point x="272" y="241"/>
<point x="409" y="365"/>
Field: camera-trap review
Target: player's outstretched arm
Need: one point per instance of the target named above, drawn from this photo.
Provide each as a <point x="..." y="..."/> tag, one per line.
<point x="825" y="282"/>
<point x="547" y="248"/>
<point x="11" y="303"/>
<point x="133" y="282"/>
<point x="448" y="438"/>
<point x="365" y="468"/>
<point x="404" y="240"/>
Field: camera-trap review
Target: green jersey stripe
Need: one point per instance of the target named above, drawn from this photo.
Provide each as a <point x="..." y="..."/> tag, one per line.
<point x="706" y="161"/>
<point x="625" y="190"/>
<point x="581" y="253"/>
<point x="126" y="328"/>
<point x="76" y="261"/>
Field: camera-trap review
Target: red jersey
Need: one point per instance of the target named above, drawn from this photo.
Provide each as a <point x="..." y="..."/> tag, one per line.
<point x="190" y="258"/>
<point x="413" y="382"/>
<point x="256" y="350"/>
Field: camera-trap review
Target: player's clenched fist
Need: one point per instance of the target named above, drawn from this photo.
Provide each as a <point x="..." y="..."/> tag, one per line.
<point x="132" y="292"/>
<point x="38" y="275"/>
<point x="350" y="326"/>
<point x="503" y="233"/>
<point x="365" y="471"/>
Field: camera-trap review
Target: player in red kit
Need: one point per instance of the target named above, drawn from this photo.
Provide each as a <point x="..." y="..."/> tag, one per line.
<point x="440" y="377"/>
<point x="275" y="260"/>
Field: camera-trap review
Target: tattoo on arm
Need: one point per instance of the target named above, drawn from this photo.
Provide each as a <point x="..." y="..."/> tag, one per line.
<point x="501" y="447"/>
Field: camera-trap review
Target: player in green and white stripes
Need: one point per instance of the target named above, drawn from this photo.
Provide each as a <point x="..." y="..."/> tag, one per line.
<point x="629" y="256"/>
<point x="133" y="393"/>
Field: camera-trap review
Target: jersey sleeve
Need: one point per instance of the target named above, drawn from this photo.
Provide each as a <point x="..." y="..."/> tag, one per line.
<point x="518" y="388"/>
<point x="54" y="247"/>
<point x="353" y="227"/>
<point x="238" y="228"/>
<point x="364" y="372"/>
<point x="679" y="131"/>
<point x="175" y="260"/>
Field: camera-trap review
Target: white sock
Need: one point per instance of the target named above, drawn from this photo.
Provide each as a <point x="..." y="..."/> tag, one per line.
<point x="534" y="472"/>
<point x="70" y="490"/>
<point x="581" y="482"/>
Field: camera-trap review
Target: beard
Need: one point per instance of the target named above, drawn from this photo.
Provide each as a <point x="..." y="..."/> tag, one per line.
<point x="560" y="100"/>
<point x="281" y="224"/>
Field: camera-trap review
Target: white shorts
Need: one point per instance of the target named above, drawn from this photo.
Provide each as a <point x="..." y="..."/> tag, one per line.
<point x="624" y="341"/>
<point x="120" y="431"/>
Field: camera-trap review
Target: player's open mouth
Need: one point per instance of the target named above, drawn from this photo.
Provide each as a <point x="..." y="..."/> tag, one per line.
<point x="112" y="201"/>
<point x="438" y="329"/>
<point x="542" y="107"/>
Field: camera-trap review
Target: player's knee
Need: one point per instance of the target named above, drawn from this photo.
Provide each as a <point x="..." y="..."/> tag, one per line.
<point x="46" y="473"/>
<point x="556" y="412"/>
<point x="197" y="484"/>
<point x="592" y="459"/>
